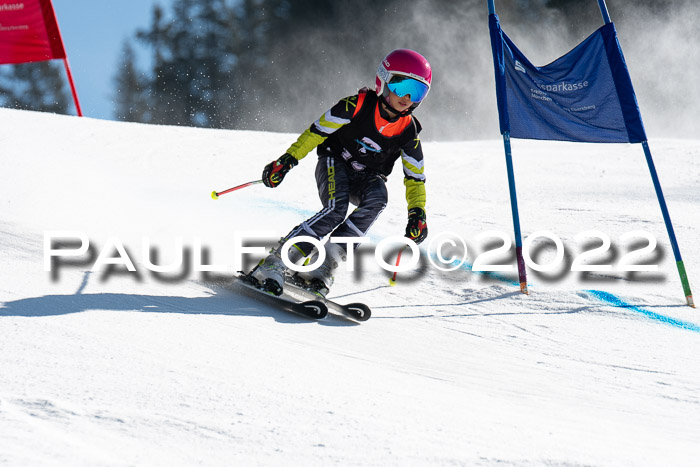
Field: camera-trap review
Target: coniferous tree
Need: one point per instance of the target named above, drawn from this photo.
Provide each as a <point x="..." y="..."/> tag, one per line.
<point x="159" y="95"/>
<point x="192" y="58"/>
<point x="36" y="86"/>
<point x="130" y="95"/>
<point x="276" y="65"/>
<point x="271" y="64"/>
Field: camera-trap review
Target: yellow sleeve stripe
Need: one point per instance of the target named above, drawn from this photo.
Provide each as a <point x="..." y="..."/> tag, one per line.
<point x="306" y="142"/>
<point x="412" y="167"/>
<point x="328" y="124"/>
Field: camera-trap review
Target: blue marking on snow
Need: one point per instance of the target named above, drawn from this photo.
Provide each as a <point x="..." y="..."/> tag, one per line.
<point x="616" y="301"/>
<point x="600" y="295"/>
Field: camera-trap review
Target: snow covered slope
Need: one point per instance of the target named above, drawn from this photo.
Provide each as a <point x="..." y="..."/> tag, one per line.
<point x="111" y="367"/>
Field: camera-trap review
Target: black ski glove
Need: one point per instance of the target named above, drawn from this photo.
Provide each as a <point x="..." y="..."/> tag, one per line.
<point x="276" y="170"/>
<point x="416" y="229"/>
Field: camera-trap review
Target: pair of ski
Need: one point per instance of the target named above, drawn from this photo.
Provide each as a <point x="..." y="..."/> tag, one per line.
<point x="306" y="302"/>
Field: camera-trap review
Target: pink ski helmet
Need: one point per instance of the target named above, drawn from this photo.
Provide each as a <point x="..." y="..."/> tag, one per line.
<point x="404" y="71"/>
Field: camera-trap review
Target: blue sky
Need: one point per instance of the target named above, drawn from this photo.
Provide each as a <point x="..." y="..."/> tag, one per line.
<point x="93" y="33"/>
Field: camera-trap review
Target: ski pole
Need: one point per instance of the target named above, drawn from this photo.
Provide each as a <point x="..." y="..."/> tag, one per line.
<point x="215" y="194"/>
<point x="392" y="281"/>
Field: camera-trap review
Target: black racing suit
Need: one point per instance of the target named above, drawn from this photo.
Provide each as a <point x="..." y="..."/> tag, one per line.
<point x="357" y="147"/>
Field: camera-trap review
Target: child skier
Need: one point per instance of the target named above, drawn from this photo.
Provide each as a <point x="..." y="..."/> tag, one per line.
<point x="358" y="141"/>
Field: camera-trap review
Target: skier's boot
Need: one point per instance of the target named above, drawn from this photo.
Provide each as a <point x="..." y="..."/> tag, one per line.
<point x="321" y="279"/>
<point x="270" y="274"/>
<point x="270" y="271"/>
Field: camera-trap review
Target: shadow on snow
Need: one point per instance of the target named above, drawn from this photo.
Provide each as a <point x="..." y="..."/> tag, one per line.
<point x="225" y="302"/>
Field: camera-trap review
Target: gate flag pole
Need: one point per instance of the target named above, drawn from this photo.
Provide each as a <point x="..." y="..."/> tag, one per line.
<point x="500" y="84"/>
<point x="669" y="226"/>
<point x="69" y="75"/>
<point x="522" y="275"/>
<point x="662" y="201"/>
<point x="604" y="11"/>
<point x="531" y="105"/>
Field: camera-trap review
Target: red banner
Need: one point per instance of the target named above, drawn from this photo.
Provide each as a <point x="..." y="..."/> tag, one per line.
<point x="29" y="32"/>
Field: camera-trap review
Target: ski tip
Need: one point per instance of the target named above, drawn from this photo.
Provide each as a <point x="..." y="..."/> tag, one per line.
<point x="358" y="311"/>
<point x="214" y="195"/>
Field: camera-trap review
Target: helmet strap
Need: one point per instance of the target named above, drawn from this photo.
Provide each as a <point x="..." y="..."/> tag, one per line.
<point x="397" y="114"/>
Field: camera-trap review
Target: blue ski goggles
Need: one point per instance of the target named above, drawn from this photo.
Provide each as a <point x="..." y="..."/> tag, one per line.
<point x="403" y="85"/>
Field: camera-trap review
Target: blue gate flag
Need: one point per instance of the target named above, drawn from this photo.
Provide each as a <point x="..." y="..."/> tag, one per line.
<point x="584" y="96"/>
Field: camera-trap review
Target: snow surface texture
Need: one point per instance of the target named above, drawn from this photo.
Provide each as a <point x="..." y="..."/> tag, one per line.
<point x="111" y="367"/>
